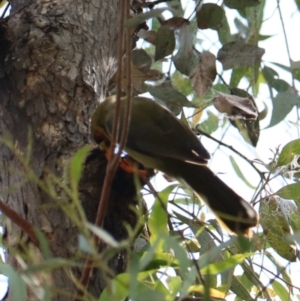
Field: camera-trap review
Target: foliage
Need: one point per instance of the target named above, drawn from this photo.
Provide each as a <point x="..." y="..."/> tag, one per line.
<point x="187" y="254"/>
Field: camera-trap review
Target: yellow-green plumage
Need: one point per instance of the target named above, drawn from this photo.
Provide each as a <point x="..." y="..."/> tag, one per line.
<point x="158" y="140"/>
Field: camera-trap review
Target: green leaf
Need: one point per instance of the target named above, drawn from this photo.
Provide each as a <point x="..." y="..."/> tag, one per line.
<point x="224" y="265"/>
<point x="16" y="283"/>
<point x="210" y="16"/>
<point x="240" y="4"/>
<point x="77" y="164"/>
<point x="172" y="243"/>
<point x="262" y="37"/>
<point x="240" y="173"/>
<point x="185" y="59"/>
<point x="210" y="125"/>
<point x="288" y="152"/>
<point x="169" y="95"/>
<point x="174" y="284"/>
<point x="165" y="42"/>
<point x="269" y="74"/>
<point x="212" y="253"/>
<point x="158" y="218"/>
<point x="224" y="33"/>
<point x="239" y="289"/>
<point x="239" y="54"/>
<point x="120" y="289"/>
<point x="144" y="293"/>
<point x="103" y="235"/>
<point x="182" y="83"/>
<point x="201" y="289"/>
<point x="295" y="237"/>
<point x="237" y="74"/>
<point x="157" y="261"/>
<point x="43" y="243"/>
<point x="283" y="104"/>
<point x="274" y="219"/>
<point x="295" y="68"/>
<point x="290" y="192"/>
<point x="141" y="59"/>
<point x="280" y="290"/>
<point x="273" y="81"/>
<point x="50" y="265"/>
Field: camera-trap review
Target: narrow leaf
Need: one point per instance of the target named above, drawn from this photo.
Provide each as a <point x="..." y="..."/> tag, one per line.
<point x="16" y="284"/>
<point x="221" y="266"/>
<point x="201" y="289"/>
<point x="76" y="165"/>
<point x="240" y="173"/>
<point x="103" y="235"/>
<point x="280" y="290"/>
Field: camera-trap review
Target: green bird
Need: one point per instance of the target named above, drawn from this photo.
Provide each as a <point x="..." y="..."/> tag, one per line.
<point x="158" y="140"/>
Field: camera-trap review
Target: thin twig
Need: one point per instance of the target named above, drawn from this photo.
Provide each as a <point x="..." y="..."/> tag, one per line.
<point x="181" y="234"/>
<point x="282" y="279"/>
<point x="276" y="276"/>
<point x="20" y="222"/>
<point x="261" y="174"/>
<point x="285" y="40"/>
<point x="288" y="53"/>
<point x="152" y="4"/>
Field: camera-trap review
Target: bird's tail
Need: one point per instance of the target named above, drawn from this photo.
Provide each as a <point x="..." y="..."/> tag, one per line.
<point x="236" y="214"/>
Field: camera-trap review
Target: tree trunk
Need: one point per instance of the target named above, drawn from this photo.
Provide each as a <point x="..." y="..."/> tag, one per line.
<point x="56" y="60"/>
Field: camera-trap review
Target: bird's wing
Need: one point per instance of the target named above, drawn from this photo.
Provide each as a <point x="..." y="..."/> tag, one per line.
<point x="156" y="131"/>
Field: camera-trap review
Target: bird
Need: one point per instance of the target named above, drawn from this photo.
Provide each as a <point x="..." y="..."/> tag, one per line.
<point x="159" y="140"/>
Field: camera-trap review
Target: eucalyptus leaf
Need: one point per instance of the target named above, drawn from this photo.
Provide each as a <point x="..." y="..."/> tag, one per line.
<point x="222" y="266"/>
<point x="239" y="54"/>
<point x="141" y="59"/>
<point x="283" y="104"/>
<point x="17" y="285"/>
<point x="165" y="42"/>
<point x="210" y="16"/>
<point x="288" y="152"/>
<point x="169" y="95"/>
<point x="281" y="290"/>
<point x="291" y="191"/>
<point x="239" y="172"/>
<point x="77" y="164"/>
<point x="185" y="59"/>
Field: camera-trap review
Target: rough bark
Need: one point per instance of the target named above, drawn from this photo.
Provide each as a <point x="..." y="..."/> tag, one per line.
<point x="56" y="59"/>
<point x="119" y="212"/>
